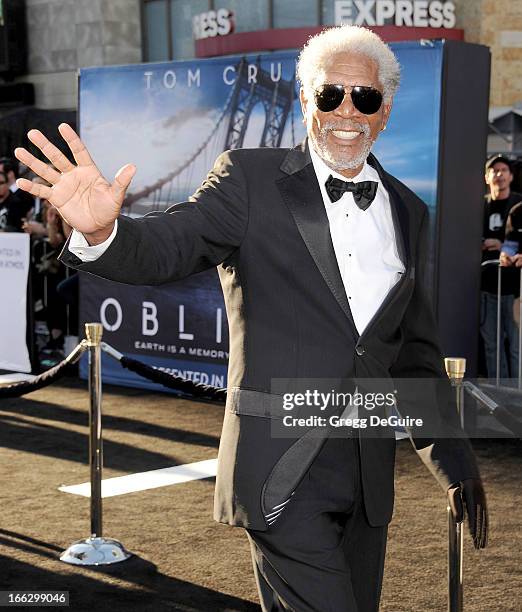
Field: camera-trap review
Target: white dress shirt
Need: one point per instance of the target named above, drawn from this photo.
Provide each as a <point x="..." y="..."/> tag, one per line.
<point x="80" y="247"/>
<point x="363" y="240"/>
<point x="364" y="243"/>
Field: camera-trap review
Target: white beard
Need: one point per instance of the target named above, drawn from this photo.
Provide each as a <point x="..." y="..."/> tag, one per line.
<point x="322" y="148"/>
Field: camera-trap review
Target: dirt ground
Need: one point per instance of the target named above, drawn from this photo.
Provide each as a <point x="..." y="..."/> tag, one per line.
<point x="185" y="561"/>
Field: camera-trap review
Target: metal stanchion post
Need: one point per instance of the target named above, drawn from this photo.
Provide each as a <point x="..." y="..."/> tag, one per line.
<point x="455" y="587"/>
<point x="94" y="332"/>
<point x="95" y="550"/>
<point x="455" y="368"/>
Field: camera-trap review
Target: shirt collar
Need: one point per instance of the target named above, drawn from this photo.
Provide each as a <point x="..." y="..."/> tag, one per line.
<point x="323" y="171"/>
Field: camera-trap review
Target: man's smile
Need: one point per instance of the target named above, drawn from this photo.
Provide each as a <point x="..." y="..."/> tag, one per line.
<point x="346" y="134"/>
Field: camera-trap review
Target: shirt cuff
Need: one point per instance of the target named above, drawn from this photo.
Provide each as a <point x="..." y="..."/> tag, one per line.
<point x="79" y="246"/>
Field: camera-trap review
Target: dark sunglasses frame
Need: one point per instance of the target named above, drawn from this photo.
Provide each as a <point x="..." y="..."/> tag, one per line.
<point x="367" y="100"/>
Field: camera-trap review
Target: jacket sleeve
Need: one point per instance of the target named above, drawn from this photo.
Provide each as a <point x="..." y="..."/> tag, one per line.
<point x="187" y="238"/>
<point x="424" y="389"/>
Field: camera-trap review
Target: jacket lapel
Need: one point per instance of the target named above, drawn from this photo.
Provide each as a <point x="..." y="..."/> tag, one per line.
<point x="400" y="217"/>
<point x="301" y="193"/>
<point x="399" y="212"/>
<point x="300" y="190"/>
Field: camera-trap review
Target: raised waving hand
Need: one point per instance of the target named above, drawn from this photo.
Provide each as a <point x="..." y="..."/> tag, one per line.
<point x="83" y="197"/>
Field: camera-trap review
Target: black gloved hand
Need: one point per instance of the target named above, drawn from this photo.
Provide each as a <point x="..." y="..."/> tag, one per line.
<point x="471" y="492"/>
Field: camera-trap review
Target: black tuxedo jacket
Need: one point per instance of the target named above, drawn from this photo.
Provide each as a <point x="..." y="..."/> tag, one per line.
<point x="259" y="217"/>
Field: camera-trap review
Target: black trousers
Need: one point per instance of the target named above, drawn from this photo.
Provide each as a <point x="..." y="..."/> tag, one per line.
<point x="321" y="555"/>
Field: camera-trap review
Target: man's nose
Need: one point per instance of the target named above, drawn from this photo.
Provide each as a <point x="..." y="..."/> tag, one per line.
<point x="346" y="108"/>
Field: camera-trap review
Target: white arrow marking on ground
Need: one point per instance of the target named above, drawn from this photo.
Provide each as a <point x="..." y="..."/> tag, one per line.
<point x="148" y="480"/>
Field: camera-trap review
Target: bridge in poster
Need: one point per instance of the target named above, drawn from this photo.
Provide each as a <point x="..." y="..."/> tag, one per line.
<point x="275" y="96"/>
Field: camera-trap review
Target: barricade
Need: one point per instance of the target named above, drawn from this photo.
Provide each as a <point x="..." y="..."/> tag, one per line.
<point x="98" y="550"/>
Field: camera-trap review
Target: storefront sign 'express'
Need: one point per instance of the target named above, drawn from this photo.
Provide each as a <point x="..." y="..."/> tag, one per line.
<point x="213" y="23"/>
<point x="401" y="13"/>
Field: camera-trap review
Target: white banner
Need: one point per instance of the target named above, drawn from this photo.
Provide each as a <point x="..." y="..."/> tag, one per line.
<point x="14" y="270"/>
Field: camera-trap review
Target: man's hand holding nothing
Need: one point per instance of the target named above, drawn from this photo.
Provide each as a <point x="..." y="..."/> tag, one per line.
<point x="83" y="197"/>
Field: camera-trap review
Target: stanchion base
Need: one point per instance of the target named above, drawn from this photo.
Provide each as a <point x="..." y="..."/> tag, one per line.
<point x="95" y="551"/>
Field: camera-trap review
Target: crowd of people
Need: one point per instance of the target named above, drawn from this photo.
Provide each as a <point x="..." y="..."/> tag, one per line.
<point x="502" y="242"/>
<point x="54" y="290"/>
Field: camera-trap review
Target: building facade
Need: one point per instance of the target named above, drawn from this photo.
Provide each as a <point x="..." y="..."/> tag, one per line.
<point x="65" y="35"/>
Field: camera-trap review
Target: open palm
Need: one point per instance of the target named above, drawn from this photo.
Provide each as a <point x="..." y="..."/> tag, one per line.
<point x="84" y="198"/>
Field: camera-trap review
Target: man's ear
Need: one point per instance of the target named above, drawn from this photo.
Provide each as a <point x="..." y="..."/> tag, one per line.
<point x="386" y="114"/>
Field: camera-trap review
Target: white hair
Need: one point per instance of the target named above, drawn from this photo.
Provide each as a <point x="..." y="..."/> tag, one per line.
<point x="320" y="51"/>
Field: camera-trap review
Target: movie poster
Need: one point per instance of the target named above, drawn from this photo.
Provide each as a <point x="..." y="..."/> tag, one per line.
<point x="172" y="120"/>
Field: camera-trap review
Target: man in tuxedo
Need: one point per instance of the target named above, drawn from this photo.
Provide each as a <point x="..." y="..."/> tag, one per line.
<point x="320" y="256"/>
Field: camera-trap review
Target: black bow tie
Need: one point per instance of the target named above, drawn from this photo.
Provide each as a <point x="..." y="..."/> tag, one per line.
<point x="363" y="192"/>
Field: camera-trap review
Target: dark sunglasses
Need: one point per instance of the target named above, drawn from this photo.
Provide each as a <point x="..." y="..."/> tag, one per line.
<point x="367" y="100"/>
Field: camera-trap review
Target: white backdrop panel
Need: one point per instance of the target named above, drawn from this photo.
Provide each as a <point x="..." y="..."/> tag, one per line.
<point x="14" y="270"/>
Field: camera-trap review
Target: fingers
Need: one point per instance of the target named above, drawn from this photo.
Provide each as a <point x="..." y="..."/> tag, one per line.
<point x="481" y="536"/>
<point x="472" y="522"/>
<point x="122" y="181"/>
<point x="484" y="532"/>
<point x="38" y="167"/>
<point x="36" y="189"/>
<point x="478" y="530"/>
<point x="78" y="149"/>
<point x="476" y="509"/>
<point x="53" y="153"/>
<point x="471" y="510"/>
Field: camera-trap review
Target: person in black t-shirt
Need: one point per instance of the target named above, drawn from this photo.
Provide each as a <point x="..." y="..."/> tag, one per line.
<point x="498" y="204"/>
